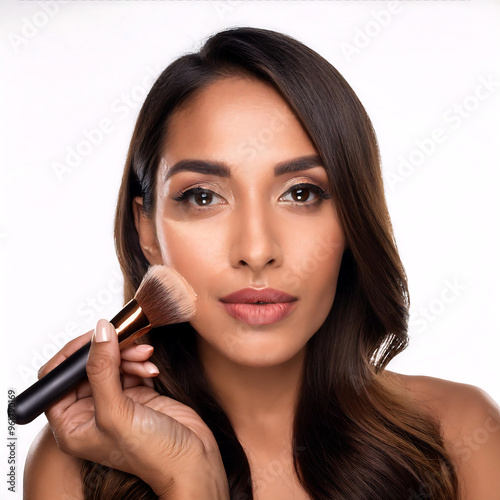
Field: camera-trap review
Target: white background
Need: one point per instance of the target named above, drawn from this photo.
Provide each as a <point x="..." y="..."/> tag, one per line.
<point x="68" y="67"/>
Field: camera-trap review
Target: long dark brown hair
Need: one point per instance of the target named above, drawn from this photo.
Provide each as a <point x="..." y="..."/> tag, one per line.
<point x="356" y="435"/>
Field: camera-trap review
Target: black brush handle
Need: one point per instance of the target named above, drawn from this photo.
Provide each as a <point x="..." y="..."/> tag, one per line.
<point x="130" y="322"/>
<point x="51" y="387"/>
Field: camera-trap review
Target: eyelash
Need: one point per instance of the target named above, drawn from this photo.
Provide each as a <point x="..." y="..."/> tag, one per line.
<point x="183" y="196"/>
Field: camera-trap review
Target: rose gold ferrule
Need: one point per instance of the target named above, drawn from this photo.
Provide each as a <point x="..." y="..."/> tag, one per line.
<point x="130" y="323"/>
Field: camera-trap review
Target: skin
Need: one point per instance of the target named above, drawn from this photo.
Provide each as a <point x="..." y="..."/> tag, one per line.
<point x="254" y="233"/>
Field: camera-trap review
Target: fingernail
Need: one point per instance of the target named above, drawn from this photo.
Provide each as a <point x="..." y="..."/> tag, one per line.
<point x="144" y="348"/>
<point x="151" y="368"/>
<point x="102" y="331"/>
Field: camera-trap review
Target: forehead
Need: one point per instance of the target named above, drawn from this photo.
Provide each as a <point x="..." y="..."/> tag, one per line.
<point x="232" y="93"/>
<point x="236" y="120"/>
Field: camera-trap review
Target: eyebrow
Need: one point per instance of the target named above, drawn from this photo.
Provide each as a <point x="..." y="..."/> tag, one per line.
<point x="220" y="169"/>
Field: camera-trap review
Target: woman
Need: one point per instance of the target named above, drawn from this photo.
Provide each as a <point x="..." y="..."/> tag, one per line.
<point x="254" y="165"/>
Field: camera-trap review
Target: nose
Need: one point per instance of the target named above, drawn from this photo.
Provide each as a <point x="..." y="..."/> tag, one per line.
<point x="255" y="237"/>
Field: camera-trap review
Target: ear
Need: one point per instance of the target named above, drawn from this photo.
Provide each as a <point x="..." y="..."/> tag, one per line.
<point x="147" y="233"/>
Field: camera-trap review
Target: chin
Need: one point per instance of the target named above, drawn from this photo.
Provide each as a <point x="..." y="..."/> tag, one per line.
<point x="259" y="354"/>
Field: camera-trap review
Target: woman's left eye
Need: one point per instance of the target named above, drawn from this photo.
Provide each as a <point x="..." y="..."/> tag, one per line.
<point x="302" y="192"/>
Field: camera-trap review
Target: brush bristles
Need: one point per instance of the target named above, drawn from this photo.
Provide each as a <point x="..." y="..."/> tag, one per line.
<point x="165" y="296"/>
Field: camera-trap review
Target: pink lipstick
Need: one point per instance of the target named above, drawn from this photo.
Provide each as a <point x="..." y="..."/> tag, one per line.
<point x="259" y="307"/>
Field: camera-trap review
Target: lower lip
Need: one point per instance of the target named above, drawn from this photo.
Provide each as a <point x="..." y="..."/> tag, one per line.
<point x="260" y="314"/>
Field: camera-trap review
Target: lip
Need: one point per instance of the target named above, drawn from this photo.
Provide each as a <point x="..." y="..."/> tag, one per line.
<point x="242" y="305"/>
<point x="255" y="314"/>
<point x="252" y="295"/>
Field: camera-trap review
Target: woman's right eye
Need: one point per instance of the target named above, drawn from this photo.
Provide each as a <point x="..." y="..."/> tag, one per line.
<point x="202" y="197"/>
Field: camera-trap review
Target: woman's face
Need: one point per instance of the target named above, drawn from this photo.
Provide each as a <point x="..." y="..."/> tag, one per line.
<point x="250" y="227"/>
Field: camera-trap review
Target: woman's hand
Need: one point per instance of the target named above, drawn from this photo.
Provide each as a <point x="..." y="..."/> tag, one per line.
<point x="133" y="428"/>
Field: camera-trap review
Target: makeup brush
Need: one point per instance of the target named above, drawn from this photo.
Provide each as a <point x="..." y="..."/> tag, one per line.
<point x="164" y="297"/>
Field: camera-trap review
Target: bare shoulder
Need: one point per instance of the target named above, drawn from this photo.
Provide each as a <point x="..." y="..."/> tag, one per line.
<point x="470" y="423"/>
<point x="49" y="473"/>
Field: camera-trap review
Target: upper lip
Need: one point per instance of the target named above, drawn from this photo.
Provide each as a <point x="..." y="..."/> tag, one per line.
<point x="252" y="295"/>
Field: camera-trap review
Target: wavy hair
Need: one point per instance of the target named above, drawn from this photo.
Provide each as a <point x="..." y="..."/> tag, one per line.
<point x="356" y="435"/>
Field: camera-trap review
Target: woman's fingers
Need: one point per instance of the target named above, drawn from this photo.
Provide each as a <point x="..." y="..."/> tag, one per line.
<point x="137" y="352"/>
<point x="145" y="369"/>
<point x="135" y="369"/>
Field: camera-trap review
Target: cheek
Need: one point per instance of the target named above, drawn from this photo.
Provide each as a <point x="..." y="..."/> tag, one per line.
<point x="196" y="253"/>
<point x="316" y="276"/>
<point x="314" y="263"/>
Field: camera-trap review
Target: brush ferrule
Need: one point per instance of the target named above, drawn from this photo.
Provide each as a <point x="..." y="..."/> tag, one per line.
<point x="130" y="323"/>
